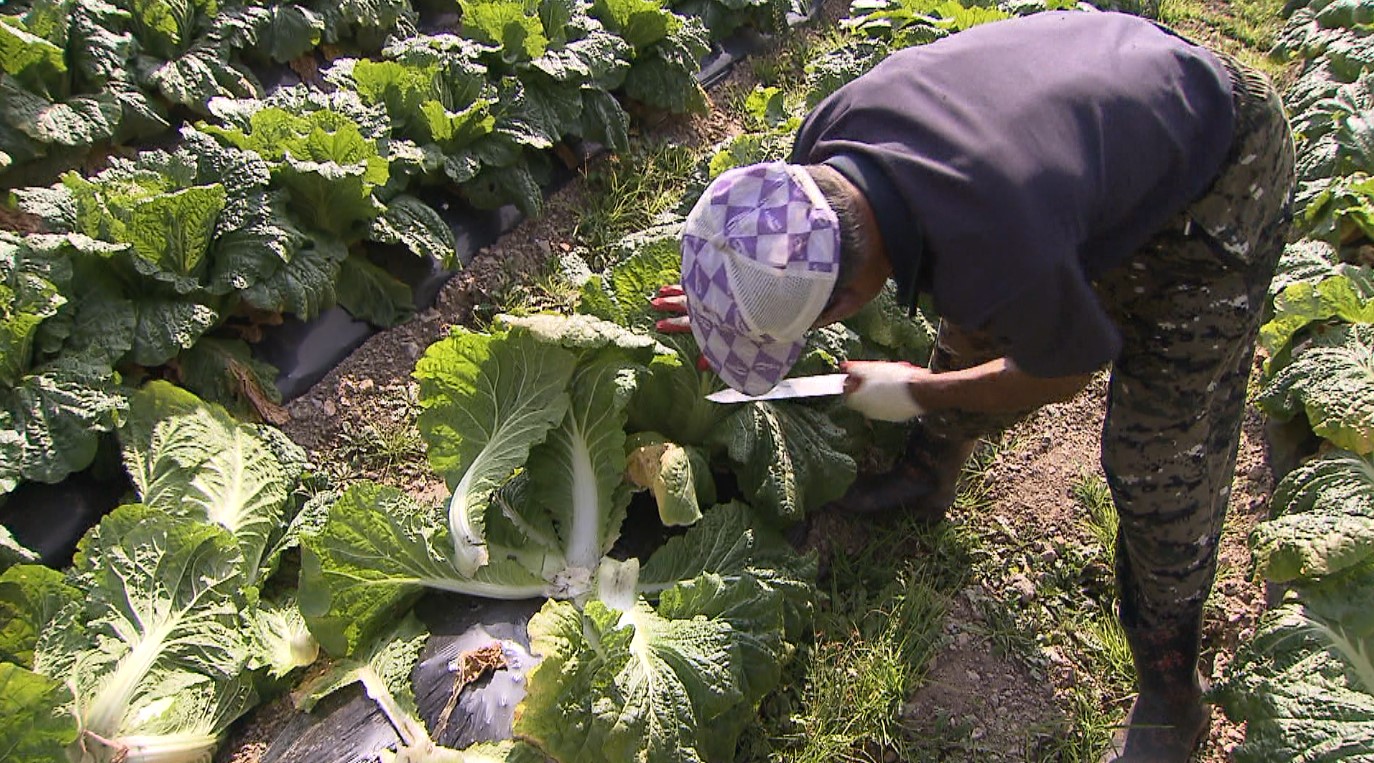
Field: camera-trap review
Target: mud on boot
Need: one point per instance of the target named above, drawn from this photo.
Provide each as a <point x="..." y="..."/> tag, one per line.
<point x="1168" y="720"/>
<point x="921" y="483"/>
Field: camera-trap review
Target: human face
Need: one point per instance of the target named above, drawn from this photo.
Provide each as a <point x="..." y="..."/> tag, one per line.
<point x="872" y="269"/>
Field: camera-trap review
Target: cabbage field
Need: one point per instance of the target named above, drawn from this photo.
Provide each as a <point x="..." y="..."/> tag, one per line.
<point x="188" y="184"/>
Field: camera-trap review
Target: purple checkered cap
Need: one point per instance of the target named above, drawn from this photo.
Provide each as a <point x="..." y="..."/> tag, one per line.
<point x="760" y="254"/>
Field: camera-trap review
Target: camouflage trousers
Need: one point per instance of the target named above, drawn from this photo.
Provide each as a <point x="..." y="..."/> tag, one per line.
<point x="1188" y="307"/>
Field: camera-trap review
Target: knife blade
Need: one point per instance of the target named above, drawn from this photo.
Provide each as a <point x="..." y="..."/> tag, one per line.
<point x="802" y="386"/>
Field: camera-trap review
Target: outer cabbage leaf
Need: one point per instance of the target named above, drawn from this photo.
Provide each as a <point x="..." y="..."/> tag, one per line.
<point x="30" y="597"/>
<point x="12" y="552"/>
<point x="77" y="121"/>
<point x="281" y="33"/>
<point x="1332" y="381"/>
<point x="1347" y="294"/>
<point x="377" y="550"/>
<point x="885" y="325"/>
<point x="1304" y="686"/>
<point x="1324" y="520"/>
<point x="159" y="663"/>
<point x="641" y="23"/>
<point x="192" y="459"/>
<point x="486" y="401"/>
<point x="415" y="224"/>
<point x="30" y="293"/>
<point x="32" y="722"/>
<point x="730" y="543"/>
<point x="787" y="457"/>
<point x="513" y="26"/>
<point x="51" y="422"/>
<point x="304" y="284"/>
<point x="370" y="293"/>
<point x="577" y="474"/>
<point x="281" y="640"/>
<point x="679" y="477"/>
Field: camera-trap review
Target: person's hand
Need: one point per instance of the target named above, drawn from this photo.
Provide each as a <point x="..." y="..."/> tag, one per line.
<point x="670" y="299"/>
<point x="882" y="390"/>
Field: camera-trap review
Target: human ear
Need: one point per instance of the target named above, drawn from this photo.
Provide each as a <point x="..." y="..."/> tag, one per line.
<point x="843" y="303"/>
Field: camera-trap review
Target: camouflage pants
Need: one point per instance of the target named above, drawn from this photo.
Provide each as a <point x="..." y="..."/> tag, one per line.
<point x="1188" y="306"/>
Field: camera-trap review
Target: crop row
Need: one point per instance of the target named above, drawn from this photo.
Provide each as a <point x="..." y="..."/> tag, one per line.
<point x="184" y="608"/>
<point x="215" y="206"/>
<point x="1304" y="685"/>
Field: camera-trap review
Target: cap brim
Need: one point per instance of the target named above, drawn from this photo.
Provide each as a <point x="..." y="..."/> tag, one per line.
<point x="745" y="363"/>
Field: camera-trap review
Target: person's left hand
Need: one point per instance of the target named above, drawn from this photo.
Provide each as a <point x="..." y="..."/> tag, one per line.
<point x="671" y="299"/>
<point x="882" y="390"/>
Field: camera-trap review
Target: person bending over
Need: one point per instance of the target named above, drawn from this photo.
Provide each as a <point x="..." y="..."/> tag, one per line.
<point x="1072" y="190"/>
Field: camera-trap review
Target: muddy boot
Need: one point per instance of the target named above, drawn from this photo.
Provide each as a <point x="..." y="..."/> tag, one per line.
<point x="922" y="482"/>
<point x="1168" y="720"/>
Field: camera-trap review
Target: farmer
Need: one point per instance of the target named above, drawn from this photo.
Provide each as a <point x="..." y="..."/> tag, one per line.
<point x="1072" y="190"/>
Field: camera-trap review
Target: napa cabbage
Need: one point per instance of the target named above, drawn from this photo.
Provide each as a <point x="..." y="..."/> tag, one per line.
<point x="52" y="411"/>
<point x="1331" y="381"/>
<point x="534" y="411"/>
<point x="1304" y="685"/>
<point x="342" y="173"/>
<point x="146" y="649"/>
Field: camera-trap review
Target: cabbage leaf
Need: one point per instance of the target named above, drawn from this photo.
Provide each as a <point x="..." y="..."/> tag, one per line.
<point x="1332" y="381"/>
<point x="1323" y="520"/>
<point x="1304" y="686"/>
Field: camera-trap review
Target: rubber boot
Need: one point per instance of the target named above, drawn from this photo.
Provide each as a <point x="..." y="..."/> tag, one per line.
<point x="1168" y="720"/>
<point x="922" y="482"/>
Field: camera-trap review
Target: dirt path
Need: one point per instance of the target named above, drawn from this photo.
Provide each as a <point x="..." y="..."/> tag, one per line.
<point x="1015" y="702"/>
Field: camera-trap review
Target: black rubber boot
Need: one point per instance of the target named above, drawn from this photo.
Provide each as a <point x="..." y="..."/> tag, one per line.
<point x="1168" y="720"/>
<point x="922" y="482"/>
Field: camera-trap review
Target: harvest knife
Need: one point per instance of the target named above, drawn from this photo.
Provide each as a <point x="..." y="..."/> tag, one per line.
<point x="802" y="386"/>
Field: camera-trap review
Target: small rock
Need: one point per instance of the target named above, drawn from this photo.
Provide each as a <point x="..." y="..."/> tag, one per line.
<point x="973" y="676"/>
<point x="1022" y="587"/>
<point x="1257" y="473"/>
<point x="328" y="407"/>
<point x="366" y="384"/>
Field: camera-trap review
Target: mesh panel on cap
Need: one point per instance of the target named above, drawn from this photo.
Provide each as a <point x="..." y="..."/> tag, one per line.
<point x="780" y="303"/>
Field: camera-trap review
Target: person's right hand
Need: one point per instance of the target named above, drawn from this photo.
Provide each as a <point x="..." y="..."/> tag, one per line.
<point x="671" y="299"/>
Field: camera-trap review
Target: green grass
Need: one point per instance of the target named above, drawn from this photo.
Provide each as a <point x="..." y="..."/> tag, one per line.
<point x="878" y="627"/>
<point x="626" y="192"/>
<point x="1091" y="492"/>
<point x="1244" y="28"/>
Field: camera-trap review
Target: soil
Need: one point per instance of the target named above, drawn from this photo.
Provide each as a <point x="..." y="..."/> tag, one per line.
<point x="1005" y="701"/>
<point x="1029" y="490"/>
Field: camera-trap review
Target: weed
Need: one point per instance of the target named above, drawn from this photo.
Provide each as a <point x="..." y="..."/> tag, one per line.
<point x="523" y="291"/>
<point x="1092" y="493"/>
<point x="378" y="447"/>
<point x="626" y="192"/>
